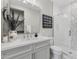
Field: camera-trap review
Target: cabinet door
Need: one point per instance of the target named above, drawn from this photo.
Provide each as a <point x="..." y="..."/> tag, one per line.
<point x="42" y="53"/>
<point x="22" y="52"/>
<point x="20" y="56"/>
<point x="2" y="56"/>
<point x="23" y="56"/>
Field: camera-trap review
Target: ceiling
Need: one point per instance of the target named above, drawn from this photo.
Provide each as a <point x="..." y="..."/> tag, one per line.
<point x="62" y="3"/>
<point x="67" y="7"/>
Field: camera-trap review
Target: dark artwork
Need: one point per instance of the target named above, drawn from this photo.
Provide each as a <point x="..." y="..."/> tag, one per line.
<point x="46" y="21"/>
<point x="14" y="19"/>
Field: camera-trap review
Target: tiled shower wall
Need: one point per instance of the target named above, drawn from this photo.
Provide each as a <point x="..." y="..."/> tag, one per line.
<point x="65" y="21"/>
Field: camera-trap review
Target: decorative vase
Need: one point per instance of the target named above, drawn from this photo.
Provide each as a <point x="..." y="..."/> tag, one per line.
<point x="12" y="35"/>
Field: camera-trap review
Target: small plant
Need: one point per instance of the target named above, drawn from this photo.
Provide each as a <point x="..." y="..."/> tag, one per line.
<point x="10" y="19"/>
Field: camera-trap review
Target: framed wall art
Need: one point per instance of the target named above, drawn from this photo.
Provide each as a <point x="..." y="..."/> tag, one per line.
<point x="46" y="21"/>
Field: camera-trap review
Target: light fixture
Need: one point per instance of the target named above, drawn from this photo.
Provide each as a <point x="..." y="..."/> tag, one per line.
<point x="24" y="1"/>
<point x="19" y="0"/>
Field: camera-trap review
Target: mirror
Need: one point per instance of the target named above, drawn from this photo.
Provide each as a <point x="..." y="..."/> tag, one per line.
<point x="22" y="15"/>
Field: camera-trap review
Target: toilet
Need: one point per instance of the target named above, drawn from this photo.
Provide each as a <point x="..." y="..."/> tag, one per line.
<point x="55" y="52"/>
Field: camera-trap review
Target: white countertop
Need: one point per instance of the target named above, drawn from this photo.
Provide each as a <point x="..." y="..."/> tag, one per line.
<point x="22" y="42"/>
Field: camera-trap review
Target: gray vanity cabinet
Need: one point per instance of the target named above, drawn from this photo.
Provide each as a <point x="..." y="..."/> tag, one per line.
<point x="23" y="52"/>
<point x="34" y="50"/>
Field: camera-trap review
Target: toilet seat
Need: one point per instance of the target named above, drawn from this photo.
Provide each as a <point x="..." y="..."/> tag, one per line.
<point x="57" y="49"/>
<point x="56" y="52"/>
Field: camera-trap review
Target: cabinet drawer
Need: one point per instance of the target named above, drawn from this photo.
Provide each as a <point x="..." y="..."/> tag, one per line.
<point x="42" y="44"/>
<point x="16" y="50"/>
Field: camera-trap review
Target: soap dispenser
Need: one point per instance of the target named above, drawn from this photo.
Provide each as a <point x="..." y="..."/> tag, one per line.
<point x="36" y="35"/>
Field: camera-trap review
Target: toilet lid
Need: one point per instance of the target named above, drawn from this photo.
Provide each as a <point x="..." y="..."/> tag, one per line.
<point x="56" y="48"/>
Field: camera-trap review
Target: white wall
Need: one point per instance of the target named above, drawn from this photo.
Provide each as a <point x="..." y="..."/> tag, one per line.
<point x="47" y="8"/>
<point x="74" y="34"/>
<point x="74" y="27"/>
<point x="64" y="21"/>
<point x="61" y="32"/>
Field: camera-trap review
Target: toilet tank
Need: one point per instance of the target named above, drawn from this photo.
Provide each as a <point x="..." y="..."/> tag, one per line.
<point x="56" y="53"/>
